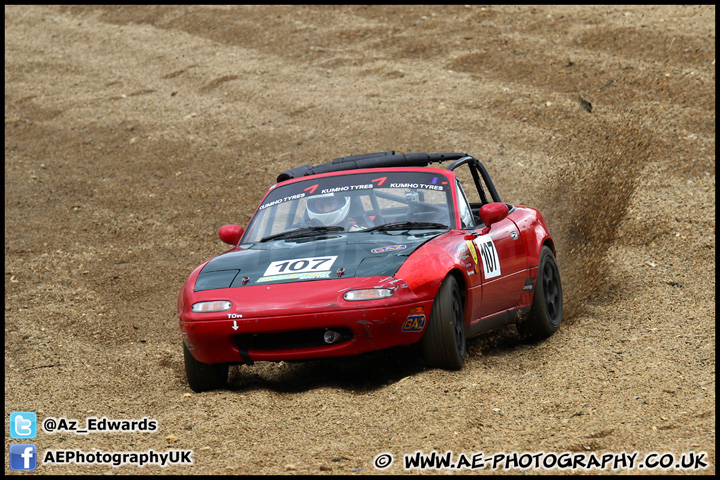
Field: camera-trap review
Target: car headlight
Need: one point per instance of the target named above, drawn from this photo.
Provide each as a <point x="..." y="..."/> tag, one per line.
<point x="368" y="294"/>
<point x="214" y="306"/>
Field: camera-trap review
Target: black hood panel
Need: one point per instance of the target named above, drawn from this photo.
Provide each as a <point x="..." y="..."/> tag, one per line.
<point x="301" y="260"/>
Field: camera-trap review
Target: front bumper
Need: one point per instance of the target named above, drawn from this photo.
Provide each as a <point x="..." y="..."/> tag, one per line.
<point x="300" y="337"/>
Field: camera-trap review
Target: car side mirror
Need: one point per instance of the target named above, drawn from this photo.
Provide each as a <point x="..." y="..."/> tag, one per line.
<point x="492" y="212"/>
<point x="231" y="234"/>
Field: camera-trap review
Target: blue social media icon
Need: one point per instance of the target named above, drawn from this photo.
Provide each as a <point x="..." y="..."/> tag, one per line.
<point x="23" y="456"/>
<point x="23" y="425"/>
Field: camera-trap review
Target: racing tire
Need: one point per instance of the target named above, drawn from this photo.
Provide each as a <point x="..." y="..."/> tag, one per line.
<point x="546" y="312"/>
<point x="204" y="376"/>
<point x="443" y="343"/>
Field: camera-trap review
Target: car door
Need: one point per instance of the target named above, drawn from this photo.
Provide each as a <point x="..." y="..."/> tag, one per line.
<point x="501" y="255"/>
<point x="499" y="248"/>
<point x="469" y="257"/>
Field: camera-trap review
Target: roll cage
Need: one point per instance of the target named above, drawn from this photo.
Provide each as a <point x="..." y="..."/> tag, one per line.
<point x="390" y="159"/>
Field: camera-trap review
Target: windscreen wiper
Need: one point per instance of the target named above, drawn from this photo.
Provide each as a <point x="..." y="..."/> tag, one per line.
<point x="407" y="226"/>
<point x="303" y="232"/>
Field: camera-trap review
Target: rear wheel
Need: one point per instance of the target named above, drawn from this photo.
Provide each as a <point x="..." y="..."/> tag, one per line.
<point x="547" y="307"/>
<point x="443" y="342"/>
<point x="204" y="376"/>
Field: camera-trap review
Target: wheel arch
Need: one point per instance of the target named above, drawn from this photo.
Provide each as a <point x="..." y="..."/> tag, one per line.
<point x="462" y="285"/>
<point x="535" y="233"/>
<point x="550" y="243"/>
<point x="535" y="250"/>
<point x="427" y="268"/>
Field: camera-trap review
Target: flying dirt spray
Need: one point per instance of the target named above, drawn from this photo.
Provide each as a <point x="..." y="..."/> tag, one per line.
<point x="599" y="161"/>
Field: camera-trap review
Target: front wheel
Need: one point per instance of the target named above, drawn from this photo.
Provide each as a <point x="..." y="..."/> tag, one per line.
<point x="204" y="376"/>
<point x="547" y="306"/>
<point x="443" y="342"/>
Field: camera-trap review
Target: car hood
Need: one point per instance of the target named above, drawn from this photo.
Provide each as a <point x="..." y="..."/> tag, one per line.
<point x="329" y="256"/>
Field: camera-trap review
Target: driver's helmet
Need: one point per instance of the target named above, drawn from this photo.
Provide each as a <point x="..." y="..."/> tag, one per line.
<point x="329" y="208"/>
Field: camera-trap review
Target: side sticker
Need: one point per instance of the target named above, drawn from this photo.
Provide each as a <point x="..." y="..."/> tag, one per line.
<point x="294" y="276"/>
<point x="389" y="248"/>
<point x="473" y="253"/>
<point x="187" y="341"/>
<point x="489" y="256"/>
<point x="414" y="323"/>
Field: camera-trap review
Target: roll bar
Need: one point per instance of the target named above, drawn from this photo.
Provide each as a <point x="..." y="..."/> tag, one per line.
<point x="391" y="159"/>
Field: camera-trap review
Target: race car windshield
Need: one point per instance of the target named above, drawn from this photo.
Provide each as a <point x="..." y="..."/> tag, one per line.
<point x="354" y="202"/>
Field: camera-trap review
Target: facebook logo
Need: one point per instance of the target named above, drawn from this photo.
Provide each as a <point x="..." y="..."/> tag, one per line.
<point x="23" y="425"/>
<point x="23" y="456"/>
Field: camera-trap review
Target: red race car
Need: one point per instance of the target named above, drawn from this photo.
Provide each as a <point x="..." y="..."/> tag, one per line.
<point x="369" y="252"/>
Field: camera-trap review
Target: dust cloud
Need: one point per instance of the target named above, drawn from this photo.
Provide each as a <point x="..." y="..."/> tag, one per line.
<point x="588" y="197"/>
